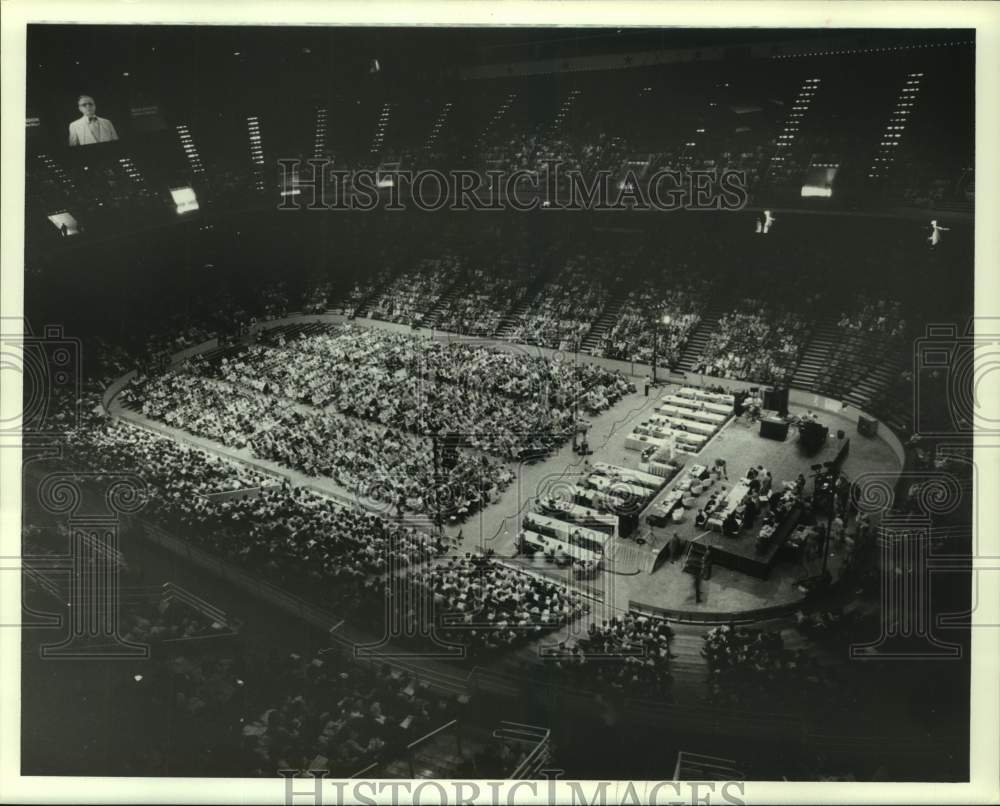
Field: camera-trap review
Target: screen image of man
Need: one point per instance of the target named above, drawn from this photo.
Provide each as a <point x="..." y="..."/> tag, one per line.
<point x="89" y="129"/>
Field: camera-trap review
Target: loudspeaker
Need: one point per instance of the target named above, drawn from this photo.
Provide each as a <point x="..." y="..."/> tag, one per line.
<point x="772" y="428"/>
<point x="867" y="427"/>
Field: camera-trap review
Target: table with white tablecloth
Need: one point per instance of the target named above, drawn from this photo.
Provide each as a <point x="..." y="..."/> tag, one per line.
<point x="723" y="398"/>
<point x="590" y="539"/>
<point x="729" y="504"/>
<point x="697" y="405"/>
<point x="568" y="511"/>
<point x="704" y="416"/>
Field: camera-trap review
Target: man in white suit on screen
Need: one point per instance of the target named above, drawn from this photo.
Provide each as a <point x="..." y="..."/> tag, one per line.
<point x="88" y="128"/>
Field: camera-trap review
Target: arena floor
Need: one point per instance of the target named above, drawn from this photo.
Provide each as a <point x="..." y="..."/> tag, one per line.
<point x="626" y="577"/>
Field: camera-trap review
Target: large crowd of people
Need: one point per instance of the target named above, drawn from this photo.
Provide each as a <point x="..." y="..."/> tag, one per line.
<point x="564" y="311"/>
<point x="292" y="535"/>
<point x="409" y="298"/>
<point x="488" y="606"/>
<point x="662" y="318"/>
<point x="507" y="404"/>
<point x="747" y="664"/>
<point x="344" y="715"/>
<point x="377" y="462"/>
<point x="479" y="309"/>
<point x="754" y="343"/>
<point x="631" y="654"/>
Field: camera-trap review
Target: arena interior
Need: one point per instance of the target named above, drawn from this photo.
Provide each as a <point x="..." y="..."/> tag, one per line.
<point x="408" y="493"/>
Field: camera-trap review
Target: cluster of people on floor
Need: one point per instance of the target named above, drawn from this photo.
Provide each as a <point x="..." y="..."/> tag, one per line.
<point x="373" y="461"/>
<point x="504" y="403"/>
<point x="631" y="654"/>
<point x="488" y="606"/>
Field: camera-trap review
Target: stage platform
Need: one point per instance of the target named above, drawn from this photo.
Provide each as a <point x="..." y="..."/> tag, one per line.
<point x="740" y="552"/>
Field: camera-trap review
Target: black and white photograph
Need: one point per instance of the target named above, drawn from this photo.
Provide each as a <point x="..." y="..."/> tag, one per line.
<point x="500" y="411"/>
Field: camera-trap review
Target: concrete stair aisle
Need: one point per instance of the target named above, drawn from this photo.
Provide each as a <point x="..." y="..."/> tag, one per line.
<point x="365" y="305"/>
<point x="882" y="374"/>
<point x="510" y="321"/>
<point x="688" y="667"/>
<point x="695" y="558"/>
<point x="861" y="367"/>
<point x="603" y="324"/>
<point x="816" y="357"/>
<point x="434" y="313"/>
<point x="699" y="337"/>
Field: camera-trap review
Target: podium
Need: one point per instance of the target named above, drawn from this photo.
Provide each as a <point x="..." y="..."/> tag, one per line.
<point x="774" y="428"/>
<point x="812" y="435"/>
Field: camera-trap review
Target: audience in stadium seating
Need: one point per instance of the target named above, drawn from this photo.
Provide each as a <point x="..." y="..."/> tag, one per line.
<point x="874" y="315"/>
<point x="564" y="310"/>
<point x="410" y="297"/>
<point x="749" y="663"/>
<point x="479" y="310"/>
<point x="352" y="303"/>
<point x="630" y="654"/>
<point x="754" y="343"/>
<point x="488" y="606"/>
<point x="322" y="712"/>
<point x="166" y="619"/>
<point x="631" y="338"/>
<point x="297" y="537"/>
